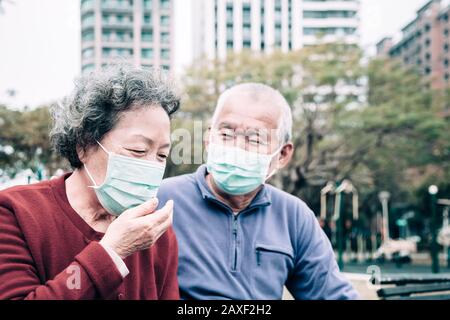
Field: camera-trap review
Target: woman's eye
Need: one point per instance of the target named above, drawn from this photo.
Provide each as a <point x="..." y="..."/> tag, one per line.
<point x="162" y="156"/>
<point x="137" y="151"/>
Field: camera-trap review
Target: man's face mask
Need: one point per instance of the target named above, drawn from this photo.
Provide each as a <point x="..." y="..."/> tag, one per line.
<point x="237" y="171"/>
<point x="128" y="183"/>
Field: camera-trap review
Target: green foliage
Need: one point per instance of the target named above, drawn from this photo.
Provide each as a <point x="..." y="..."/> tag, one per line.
<point x="24" y="141"/>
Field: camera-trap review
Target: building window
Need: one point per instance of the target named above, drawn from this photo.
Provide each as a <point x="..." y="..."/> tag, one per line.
<point x="165" y="21"/>
<point x="427" y="42"/>
<point x="165" y="37"/>
<point x="446" y="77"/>
<point x="87" y="4"/>
<point x="427" y="28"/>
<point x="230" y="33"/>
<point x="427" y="56"/>
<point x="427" y="70"/>
<point x="147" y="36"/>
<point x="246" y="14"/>
<point x="165" y="4"/>
<point x="147" y="19"/>
<point x="278" y="36"/>
<point x="88" y="19"/>
<point x="88" y="53"/>
<point x="88" y="36"/>
<point x="165" y="54"/>
<point x="229" y="14"/>
<point x="147" y="53"/>
<point x="147" y="4"/>
<point x="88" y="68"/>
<point x="446" y="63"/>
<point x="106" y="52"/>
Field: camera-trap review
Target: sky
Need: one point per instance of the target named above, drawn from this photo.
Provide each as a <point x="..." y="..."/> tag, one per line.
<point x="40" y="43"/>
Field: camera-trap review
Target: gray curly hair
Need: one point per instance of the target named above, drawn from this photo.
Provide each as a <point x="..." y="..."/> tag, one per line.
<point x="98" y="100"/>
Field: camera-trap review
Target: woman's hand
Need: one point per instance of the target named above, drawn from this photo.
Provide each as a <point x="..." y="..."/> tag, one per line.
<point x="138" y="228"/>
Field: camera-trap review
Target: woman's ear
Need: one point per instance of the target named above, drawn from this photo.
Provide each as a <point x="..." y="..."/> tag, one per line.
<point x="81" y="154"/>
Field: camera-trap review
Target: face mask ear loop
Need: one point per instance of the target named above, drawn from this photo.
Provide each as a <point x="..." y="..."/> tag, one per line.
<point x="90" y="177"/>
<point x="276" y="169"/>
<point x="104" y="149"/>
<point x="87" y="170"/>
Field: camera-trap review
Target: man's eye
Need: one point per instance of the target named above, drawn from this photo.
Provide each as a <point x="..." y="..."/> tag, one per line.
<point x="226" y="135"/>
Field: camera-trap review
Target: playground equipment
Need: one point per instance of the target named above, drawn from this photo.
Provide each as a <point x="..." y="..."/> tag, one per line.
<point x="344" y="187"/>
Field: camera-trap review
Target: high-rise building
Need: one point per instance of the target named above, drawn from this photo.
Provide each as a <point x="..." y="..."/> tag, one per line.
<point x="220" y="26"/>
<point x="133" y="31"/>
<point x="425" y="43"/>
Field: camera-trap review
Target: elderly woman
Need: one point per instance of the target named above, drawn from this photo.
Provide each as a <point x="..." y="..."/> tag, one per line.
<point x="95" y="233"/>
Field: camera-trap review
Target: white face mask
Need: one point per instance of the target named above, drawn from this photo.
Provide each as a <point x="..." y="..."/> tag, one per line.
<point x="129" y="182"/>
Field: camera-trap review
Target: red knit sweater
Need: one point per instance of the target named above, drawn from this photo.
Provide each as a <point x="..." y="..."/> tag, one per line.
<point x="47" y="251"/>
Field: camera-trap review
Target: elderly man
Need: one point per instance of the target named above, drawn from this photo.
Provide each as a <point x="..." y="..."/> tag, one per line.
<point x="240" y="238"/>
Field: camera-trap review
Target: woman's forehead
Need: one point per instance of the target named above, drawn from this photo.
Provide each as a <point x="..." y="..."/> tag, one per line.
<point x="146" y="124"/>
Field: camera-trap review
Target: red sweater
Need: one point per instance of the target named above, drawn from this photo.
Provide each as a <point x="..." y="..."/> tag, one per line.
<point x="47" y="251"/>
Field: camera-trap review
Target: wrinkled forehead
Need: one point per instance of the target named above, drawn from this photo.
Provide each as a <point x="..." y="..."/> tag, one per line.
<point x="245" y="111"/>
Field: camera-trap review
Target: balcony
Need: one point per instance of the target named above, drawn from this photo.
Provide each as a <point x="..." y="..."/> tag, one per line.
<point x="116" y="7"/>
<point x="114" y="24"/>
<point x="314" y="39"/>
<point x="331" y="5"/>
<point x="331" y="22"/>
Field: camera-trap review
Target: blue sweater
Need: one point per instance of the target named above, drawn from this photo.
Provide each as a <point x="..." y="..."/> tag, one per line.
<point x="276" y="241"/>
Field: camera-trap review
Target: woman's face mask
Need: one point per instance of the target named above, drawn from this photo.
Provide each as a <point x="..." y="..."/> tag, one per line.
<point x="128" y="183"/>
<point x="237" y="171"/>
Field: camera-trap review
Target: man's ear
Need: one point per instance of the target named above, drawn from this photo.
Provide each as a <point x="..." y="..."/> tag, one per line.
<point x="286" y="154"/>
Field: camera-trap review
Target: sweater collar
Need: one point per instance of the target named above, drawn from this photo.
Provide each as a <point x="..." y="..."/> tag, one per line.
<point x="261" y="199"/>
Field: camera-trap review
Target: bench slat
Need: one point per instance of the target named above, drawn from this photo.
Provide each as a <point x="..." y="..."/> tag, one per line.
<point x="410" y="289"/>
<point x="427" y="297"/>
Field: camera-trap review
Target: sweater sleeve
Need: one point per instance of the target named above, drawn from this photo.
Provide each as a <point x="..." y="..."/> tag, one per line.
<point x="170" y="289"/>
<point x="92" y="274"/>
<point x="316" y="275"/>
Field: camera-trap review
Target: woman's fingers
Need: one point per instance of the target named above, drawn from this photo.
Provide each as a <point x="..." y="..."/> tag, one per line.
<point x="159" y="216"/>
<point x="142" y="210"/>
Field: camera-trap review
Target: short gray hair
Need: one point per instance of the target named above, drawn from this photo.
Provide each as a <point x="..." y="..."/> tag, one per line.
<point x="259" y="91"/>
<point x="98" y="100"/>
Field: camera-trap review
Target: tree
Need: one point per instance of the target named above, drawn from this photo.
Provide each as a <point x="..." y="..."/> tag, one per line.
<point x="24" y="140"/>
